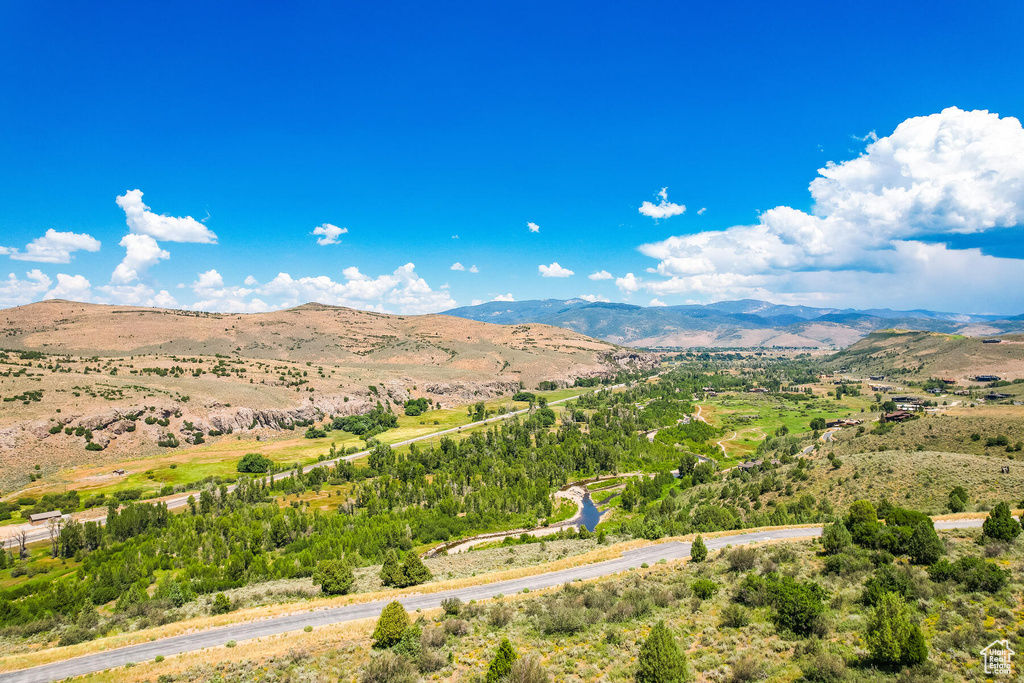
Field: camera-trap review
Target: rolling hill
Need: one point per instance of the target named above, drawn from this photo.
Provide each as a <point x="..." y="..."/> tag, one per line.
<point x="728" y="323"/>
<point x="919" y="355"/>
<point x="72" y="367"/>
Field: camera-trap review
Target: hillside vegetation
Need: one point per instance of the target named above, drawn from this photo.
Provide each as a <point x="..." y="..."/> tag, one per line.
<point x="79" y="379"/>
<point x="903" y="354"/>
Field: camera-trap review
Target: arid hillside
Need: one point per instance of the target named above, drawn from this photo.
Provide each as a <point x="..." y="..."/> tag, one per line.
<point x="920" y="355"/>
<point x="132" y="376"/>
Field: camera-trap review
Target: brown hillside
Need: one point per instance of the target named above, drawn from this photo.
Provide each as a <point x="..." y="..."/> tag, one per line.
<point x="242" y="372"/>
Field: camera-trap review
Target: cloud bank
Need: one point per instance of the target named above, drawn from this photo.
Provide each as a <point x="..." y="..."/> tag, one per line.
<point x="874" y="234"/>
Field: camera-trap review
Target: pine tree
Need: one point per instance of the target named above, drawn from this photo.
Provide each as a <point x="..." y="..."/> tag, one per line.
<point x="501" y="665"/>
<point x="892" y="637"/>
<point x="414" y="572"/>
<point x="1000" y="524"/>
<point x="698" y="551"/>
<point x="924" y="545"/>
<point x="661" y="660"/>
<point x="391" y="572"/>
<point x="391" y="626"/>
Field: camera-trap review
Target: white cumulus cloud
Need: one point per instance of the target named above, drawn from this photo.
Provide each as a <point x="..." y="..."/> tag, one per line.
<point x="250" y="281"/>
<point x="457" y="266"/>
<point x="628" y="284"/>
<point x="17" y="292"/>
<point x="329" y="234"/>
<point x="142" y="221"/>
<point x="474" y="269"/>
<point x="141" y="252"/>
<point x="71" y="287"/>
<point x="504" y="297"/>
<point x="593" y="298"/>
<point x="54" y="247"/>
<point x="554" y="270"/>
<point x="663" y="209"/>
<point x="876" y="227"/>
<point x="657" y="302"/>
<point x="533" y="227"/>
<point x="601" y="275"/>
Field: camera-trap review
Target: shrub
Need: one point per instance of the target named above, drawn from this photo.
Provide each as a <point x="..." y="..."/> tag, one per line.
<point x="796" y="606"/>
<point x="747" y="668"/>
<point x="1000" y="524"/>
<point x="563" y="620"/>
<point x="221" y="604"/>
<point x="456" y="627"/>
<point x="433" y="637"/>
<point x="825" y="667"/>
<point x="528" y="670"/>
<point x="698" y="551"/>
<point x="742" y="559"/>
<point x="661" y="660"/>
<point x="888" y="579"/>
<point x="835" y="538"/>
<point x="892" y="637"/>
<point x="958" y="498"/>
<point x="392" y="624"/>
<point x="334" y="577"/>
<point x="734" y="616"/>
<point x="255" y="463"/>
<point x="388" y="668"/>
<point x="500" y="615"/>
<point x="501" y="665"/>
<point x="451" y="606"/>
<point x="974" y="573"/>
<point x="430" y="661"/>
<point x="704" y="588"/>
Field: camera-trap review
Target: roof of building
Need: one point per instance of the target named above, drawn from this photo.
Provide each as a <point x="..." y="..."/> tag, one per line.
<point x="40" y="516"/>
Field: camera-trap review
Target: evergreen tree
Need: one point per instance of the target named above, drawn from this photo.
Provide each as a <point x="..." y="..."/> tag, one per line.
<point x="835" y="538"/>
<point x="391" y="572"/>
<point x="892" y="637"/>
<point x="698" y="551"/>
<point x="661" y="660"/>
<point x="334" y="577"/>
<point x="391" y="626"/>
<point x="1000" y="524"/>
<point x="501" y="665"/>
<point x="924" y="545"/>
<point x="414" y="572"/>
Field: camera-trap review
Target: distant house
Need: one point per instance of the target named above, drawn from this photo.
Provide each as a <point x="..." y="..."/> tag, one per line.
<point x="881" y="387"/>
<point x="897" y="416"/>
<point x="876" y="378"/>
<point x="991" y="341"/>
<point x="947" y="381"/>
<point x="759" y="390"/>
<point x="43" y="516"/>
<point x="844" y="422"/>
<point x="987" y="378"/>
<point x="751" y="464"/>
<point x="994" y="396"/>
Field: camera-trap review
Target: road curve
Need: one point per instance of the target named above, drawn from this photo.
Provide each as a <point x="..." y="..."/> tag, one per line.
<point x="42" y="533"/>
<point x="295" y="622"/>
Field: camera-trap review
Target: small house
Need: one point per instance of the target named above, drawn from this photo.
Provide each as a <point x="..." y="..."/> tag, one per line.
<point x="995" y="396"/>
<point x="897" y="416"/>
<point x="987" y="378"/>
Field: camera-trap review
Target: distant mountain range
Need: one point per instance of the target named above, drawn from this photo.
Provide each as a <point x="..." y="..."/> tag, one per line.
<point x="730" y="323"/>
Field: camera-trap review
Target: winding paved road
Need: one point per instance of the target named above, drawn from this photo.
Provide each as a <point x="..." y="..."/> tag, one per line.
<point x="295" y="622"/>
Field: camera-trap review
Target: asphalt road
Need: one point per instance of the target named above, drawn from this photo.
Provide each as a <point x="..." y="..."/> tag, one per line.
<point x="42" y="533"/>
<point x="295" y="622"/>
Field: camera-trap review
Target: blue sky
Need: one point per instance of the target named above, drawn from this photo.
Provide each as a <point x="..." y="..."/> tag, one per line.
<point x="408" y="124"/>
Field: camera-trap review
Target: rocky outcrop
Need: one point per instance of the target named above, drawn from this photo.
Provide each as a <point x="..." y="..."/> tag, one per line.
<point x="634" y="360"/>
